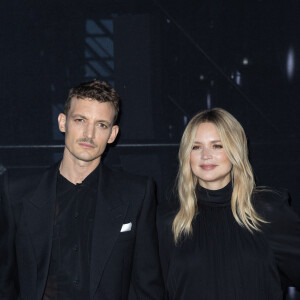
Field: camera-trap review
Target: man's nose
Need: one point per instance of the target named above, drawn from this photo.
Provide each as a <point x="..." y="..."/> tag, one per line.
<point x="89" y="131"/>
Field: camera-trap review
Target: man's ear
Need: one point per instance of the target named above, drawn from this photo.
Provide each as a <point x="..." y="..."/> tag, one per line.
<point x="113" y="134"/>
<point x="62" y="122"/>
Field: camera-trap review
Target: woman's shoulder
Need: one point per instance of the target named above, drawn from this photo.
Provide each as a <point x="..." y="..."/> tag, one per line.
<point x="269" y="201"/>
<point x="273" y="195"/>
<point x="281" y="229"/>
<point x="273" y="206"/>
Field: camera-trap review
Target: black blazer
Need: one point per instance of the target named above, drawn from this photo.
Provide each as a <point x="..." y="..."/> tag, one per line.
<point x="124" y="265"/>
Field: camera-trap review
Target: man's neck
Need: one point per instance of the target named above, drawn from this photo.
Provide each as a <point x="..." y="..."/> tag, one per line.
<point x="76" y="171"/>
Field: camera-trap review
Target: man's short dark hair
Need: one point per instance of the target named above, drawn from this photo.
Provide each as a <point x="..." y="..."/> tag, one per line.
<point x="95" y="90"/>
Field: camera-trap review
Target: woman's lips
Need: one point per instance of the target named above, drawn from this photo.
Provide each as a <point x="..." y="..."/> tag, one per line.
<point x="208" y="167"/>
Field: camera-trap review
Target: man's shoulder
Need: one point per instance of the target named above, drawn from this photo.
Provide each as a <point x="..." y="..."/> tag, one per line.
<point x="21" y="182"/>
<point x="123" y="176"/>
<point x="29" y="174"/>
<point x="127" y="183"/>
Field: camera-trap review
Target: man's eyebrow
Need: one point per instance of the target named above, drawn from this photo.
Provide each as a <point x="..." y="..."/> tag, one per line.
<point x="85" y="118"/>
<point x="78" y="116"/>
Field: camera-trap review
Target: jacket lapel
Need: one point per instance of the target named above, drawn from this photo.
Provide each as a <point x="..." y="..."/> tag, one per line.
<point x="39" y="211"/>
<point x="109" y="215"/>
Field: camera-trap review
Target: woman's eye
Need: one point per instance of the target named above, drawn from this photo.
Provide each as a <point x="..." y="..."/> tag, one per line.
<point x="195" y="147"/>
<point x="218" y="146"/>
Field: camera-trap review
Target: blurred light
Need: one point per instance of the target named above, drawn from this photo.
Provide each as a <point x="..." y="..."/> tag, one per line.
<point x="292" y="292"/>
<point x="168" y="21"/>
<point x="245" y="61"/>
<point x="201" y="77"/>
<point x="290" y="63"/>
<point x="170" y="131"/>
<point x="208" y="101"/>
<point x="185" y="120"/>
<point x="238" y="80"/>
<point x="2" y="169"/>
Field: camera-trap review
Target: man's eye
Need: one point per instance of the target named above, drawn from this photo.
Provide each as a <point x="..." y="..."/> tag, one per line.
<point x="102" y="125"/>
<point x="79" y="120"/>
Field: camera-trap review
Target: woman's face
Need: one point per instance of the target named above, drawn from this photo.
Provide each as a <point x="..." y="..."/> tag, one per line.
<point x="208" y="159"/>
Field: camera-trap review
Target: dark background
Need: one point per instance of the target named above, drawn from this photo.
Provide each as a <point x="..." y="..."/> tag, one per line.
<point x="168" y="60"/>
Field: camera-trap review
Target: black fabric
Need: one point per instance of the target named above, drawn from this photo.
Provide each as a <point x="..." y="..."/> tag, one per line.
<point x="124" y="264"/>
<point x="222" y="260"/>
<point x="68" y="276"/>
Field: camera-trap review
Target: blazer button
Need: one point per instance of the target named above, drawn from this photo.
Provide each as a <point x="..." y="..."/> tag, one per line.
<point x="75" y="248"/>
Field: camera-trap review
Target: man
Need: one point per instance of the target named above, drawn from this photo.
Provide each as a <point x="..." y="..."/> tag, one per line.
<point x="80" y="230"/>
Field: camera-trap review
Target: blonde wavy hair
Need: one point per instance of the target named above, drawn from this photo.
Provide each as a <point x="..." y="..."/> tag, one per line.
<point x="234" y="142"/>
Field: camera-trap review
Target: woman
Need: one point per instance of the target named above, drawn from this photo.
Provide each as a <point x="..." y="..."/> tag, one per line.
<point x="228" y="239"/>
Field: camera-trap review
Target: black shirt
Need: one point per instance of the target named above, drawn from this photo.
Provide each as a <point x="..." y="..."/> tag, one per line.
<point x="223" y="260"/>
<point x="69" y="271"/>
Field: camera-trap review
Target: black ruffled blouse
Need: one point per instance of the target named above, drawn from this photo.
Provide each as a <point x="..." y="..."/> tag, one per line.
<point x="222" y="260"/>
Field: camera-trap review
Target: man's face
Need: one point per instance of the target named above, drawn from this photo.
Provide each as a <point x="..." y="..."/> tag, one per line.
<point x="88" y="128"/>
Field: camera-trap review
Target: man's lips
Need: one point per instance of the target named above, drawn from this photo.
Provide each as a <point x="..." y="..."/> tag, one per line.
<point x="86" y="145"/>
<point x="207" y="167"/>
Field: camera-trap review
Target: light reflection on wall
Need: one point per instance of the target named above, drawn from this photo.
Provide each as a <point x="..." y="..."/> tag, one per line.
<point x="290" y="63"/>
<point x="208" y="100"/>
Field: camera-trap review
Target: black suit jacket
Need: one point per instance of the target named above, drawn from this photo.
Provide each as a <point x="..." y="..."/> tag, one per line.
<point x="124" y="265"/>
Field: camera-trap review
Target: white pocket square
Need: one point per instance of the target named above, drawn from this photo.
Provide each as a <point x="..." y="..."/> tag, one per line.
<point x="126" y="227"/>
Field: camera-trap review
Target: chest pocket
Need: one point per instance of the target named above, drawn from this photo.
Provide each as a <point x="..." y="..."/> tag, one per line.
<point x="127" y="232"/>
